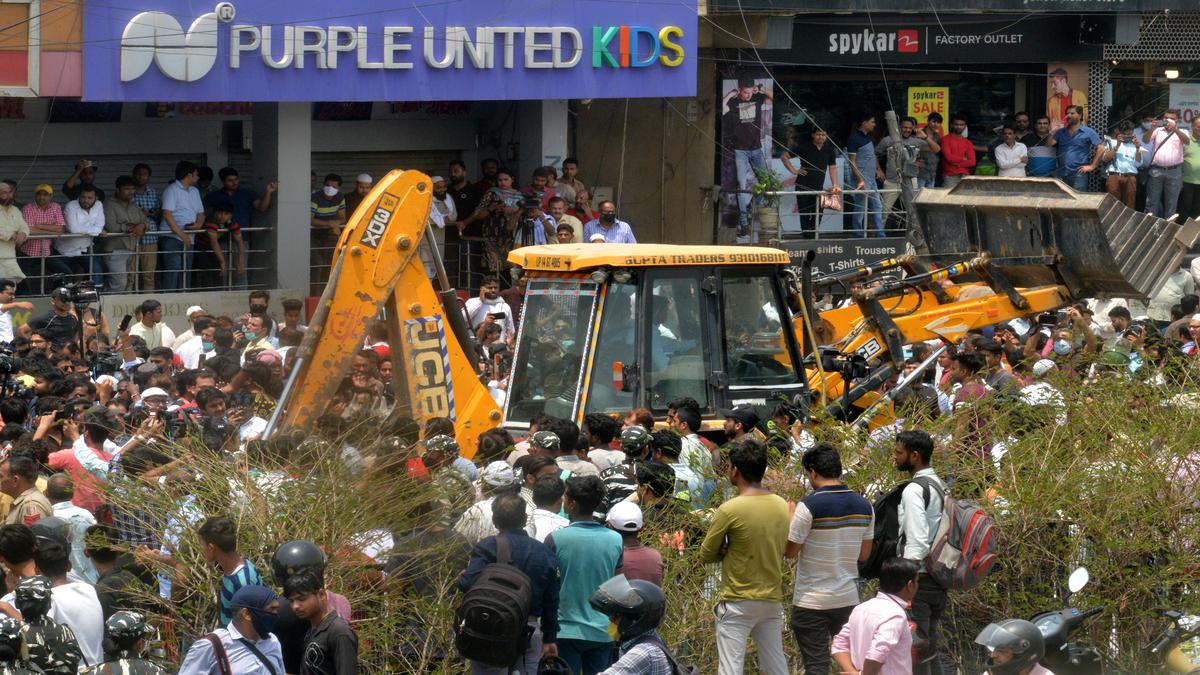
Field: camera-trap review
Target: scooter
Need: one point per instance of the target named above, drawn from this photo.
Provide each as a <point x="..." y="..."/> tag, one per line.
<point x="1172" y="649"/>
<point x="1064" y="657"/>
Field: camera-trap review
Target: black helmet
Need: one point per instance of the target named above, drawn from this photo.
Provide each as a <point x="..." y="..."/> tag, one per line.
<point x="553" y="665"/>
<point x="639" y="606"/>
<point x="1020" y="637"/>
<point x="294" y="556"/>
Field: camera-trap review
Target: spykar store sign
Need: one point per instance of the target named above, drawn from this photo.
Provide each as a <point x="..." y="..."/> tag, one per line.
<point x="911" y="39"/>
<point x="310" y="50"/>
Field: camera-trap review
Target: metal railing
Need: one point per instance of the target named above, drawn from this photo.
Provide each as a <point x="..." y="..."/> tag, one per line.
<point x="463" y="259"/>
<point x="104" y="268"/>
<point x="855" y="203"/>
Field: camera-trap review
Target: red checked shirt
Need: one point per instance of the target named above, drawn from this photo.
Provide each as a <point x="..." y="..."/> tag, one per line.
<point x="36" y="216"/>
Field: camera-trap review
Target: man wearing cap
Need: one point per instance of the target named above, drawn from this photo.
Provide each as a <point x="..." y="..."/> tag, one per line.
<point x="13" y="232"/>
<point x="44" y="217"/>
<point x="454" y="490"/>
<point x="640" y="562"/>
<point x="740" y="421"/>
<point x="83" y="177"/>
<point x="476" y="523"/>
<point x="362" y="188"/>
<point x="246" y="646"/>
<point x="192" y="313"/>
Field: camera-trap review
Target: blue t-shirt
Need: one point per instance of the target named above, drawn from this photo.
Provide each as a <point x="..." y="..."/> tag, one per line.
<point x="863" y="148"/>
<point x="1074" y="150"/>
<point x="589" y="554"/>
<point x="246" y="575"/>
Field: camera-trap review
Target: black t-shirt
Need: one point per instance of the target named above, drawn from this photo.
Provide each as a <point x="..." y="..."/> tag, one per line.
<point x="466" y="199"/>
<point x="747" y="121"/>
<point x="60" y="329"/>
<point x="815" y="161"/>
<point x="330" y="649"/>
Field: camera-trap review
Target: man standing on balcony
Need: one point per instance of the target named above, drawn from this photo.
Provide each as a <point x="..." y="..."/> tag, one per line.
<point x="183" y="212"/>
<point x="44" y="217"/>
<point x="1166" y="166"/>
<point x="13" y="233"/>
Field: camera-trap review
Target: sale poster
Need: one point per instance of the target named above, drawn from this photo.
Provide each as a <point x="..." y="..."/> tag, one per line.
<point x="1186" y="98"/>
<point x="925" y="100"/>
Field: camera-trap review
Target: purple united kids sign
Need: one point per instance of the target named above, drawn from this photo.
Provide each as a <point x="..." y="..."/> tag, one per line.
<point x="313" y="50"/>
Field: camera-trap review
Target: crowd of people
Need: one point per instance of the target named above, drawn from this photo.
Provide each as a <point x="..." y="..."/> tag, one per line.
<point x="1152" y="166"/>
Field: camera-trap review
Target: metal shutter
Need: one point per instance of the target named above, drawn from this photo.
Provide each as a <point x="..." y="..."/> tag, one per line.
<point x="54" y="170"/>
<point x="349" y="165"/>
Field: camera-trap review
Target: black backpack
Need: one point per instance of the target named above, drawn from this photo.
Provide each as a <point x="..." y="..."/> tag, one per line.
<point x="887" y="529"/>
<point x="492" y="623"/>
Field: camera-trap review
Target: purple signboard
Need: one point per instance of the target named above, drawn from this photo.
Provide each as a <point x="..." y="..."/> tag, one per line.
<point x="312" y="50"/>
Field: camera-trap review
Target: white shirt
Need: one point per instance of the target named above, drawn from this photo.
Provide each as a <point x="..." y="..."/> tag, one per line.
<point x="200" y="659"/>
<point x="80" y="520"/>
<point x="6" y="330"/>
<point x="919" y="522"/>
<point x="87" y="224"/>
<point x="77" y="605"/>
<point x="183" y="205"/>
<point x="545" y="522"/>
<point x="182" y="338"/>
<point x="475" y="524"/>
<point x="158" y="335"/>
<point x="477" y="311"/>
<point x="1008" y="160"/>
<point x="190" y="351"/>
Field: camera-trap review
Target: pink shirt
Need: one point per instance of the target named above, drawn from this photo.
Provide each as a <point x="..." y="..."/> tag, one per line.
<point x="36" y="215"/>
<point x="878" y="630"/>
<point x="89" y="490"/>
<point x="1168" y="148"/>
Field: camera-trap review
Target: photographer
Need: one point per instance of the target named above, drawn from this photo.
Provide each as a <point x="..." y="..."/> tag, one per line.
<point x="220" y="426"/>
<point x="532" y="227"/>
<point x="59" y="325"/>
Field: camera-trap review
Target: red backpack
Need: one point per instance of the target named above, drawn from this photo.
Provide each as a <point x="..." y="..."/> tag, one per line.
<point x="963" y="548"/>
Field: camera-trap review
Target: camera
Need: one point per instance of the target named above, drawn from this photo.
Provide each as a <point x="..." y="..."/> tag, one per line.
<point x="77" y="293"/>
<point x="215" y="431"/>
<point x="9" y="362"/>
<point x="105" y="363"/>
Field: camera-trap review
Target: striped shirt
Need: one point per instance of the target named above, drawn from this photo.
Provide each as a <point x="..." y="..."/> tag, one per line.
<point x="245" y="575"/>
<point x="36" y="215"/>
<point x="324" y="208"/>
<point x="831" y="524"/>
<point x="150" y="201"/>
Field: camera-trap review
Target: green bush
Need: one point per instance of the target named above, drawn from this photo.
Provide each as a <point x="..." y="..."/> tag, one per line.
<point x="1115" y="489"/>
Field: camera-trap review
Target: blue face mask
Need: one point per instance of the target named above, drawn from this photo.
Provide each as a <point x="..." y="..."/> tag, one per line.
<point x="263" y="621"/>
<point x="206" y="345"/>
<point x="1062" y="347"/>
<point x="251" y="336"/>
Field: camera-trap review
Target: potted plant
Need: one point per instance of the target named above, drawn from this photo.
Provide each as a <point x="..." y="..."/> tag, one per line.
<point x="766" y="204"/>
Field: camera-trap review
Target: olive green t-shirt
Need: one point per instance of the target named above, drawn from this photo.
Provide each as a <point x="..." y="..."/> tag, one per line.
<point x="756" y="527"/>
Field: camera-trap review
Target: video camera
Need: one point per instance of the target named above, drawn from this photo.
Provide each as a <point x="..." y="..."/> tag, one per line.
<point x="78" y="293"/>
<point x="9" y="362"/>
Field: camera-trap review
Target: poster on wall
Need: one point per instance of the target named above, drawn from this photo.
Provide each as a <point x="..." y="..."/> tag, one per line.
<point x="925" y="100"/>
<point x="747" y="116"/>
<point x="1066" y="85"/>
<point x="1186" y="97"/>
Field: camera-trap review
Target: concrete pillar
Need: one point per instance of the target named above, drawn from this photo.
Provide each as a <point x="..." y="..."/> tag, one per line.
<point x="542" y="135"/>
<point x="282" y="147"/>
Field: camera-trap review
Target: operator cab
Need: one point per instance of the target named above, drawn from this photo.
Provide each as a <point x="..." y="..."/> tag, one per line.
<point x="611" y="327"/>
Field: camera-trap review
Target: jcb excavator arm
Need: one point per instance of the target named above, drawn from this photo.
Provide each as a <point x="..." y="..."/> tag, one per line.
<point x="377" y="269"/>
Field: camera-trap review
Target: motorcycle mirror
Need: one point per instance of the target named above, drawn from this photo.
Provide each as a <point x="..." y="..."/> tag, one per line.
<point x="1078" y="579"/>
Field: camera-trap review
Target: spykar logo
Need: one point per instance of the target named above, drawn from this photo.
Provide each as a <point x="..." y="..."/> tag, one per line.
<point x="903" y="41"/>
<point x="158" y="38"/>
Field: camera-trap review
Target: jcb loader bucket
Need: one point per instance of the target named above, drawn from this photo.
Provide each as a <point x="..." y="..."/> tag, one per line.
<point x="1100" y="247"/>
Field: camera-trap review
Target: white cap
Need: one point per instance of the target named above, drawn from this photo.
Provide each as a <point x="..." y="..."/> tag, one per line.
<point x="1195" y="317"/>
<point x="364" y="178"/>
<point x="1042" y="367"/>
<point x="625" y="517"/>
<point x="155" y="391"/>
<point x="597" y="237"/>
<point x="437" y="179"/>
<point x="499" y="474"/>
<point x="192" y="310"/>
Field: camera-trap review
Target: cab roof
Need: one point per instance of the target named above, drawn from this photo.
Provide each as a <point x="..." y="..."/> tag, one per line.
<point x="580" y="257"/>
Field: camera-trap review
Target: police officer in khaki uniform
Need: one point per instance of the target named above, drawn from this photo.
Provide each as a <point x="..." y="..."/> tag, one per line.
<point x="18" y="479"/>
<point x="125" y="633"/>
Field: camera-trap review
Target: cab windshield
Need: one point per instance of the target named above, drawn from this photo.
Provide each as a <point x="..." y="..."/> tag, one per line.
<point x="551" y="343"/>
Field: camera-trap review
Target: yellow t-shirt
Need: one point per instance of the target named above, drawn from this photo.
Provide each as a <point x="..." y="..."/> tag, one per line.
<point x="756" y="527"/>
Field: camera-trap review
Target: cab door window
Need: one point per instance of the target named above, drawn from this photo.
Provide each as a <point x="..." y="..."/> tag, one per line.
<point x="756" y="348"/>
<point x="675" y="363"/>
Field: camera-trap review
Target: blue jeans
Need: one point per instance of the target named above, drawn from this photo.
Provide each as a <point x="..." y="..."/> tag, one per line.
<point x="174" y="261"/>
<point x="1079" y="181"/>
<point x="1162" y="191"/>
<point x="744" y="159"/>
<point x="584" y="656"/>
<point x="926" y="182"/>
<point x="867" y="202"/>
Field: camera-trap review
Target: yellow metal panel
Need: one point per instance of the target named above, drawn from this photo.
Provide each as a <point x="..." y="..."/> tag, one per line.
<point x="574" y="257"/>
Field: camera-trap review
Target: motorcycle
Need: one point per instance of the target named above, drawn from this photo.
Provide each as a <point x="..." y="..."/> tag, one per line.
<point x="1064" y="657"/>
<point x="1177" y="648"/>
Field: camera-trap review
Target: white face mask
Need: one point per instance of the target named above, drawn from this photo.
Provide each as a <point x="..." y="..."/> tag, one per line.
<point x="330" y="191"/>
<point x="1147" y="125"/>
